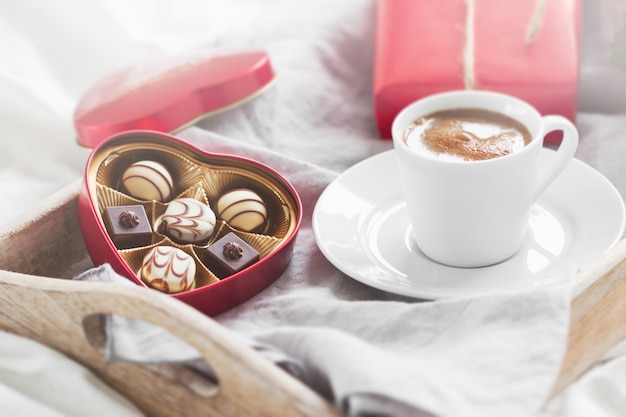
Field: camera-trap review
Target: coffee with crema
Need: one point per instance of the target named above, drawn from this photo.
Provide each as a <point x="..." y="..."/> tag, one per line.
<point x="466" y="134"/>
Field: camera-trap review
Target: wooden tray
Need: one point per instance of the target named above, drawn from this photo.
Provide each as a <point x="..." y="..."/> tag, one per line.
<point x="65" y="315"/>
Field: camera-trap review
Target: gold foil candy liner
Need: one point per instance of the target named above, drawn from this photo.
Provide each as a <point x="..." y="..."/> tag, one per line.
<point x="184" y="172"/>
<point x="196" y="192"/>
<point x="217" y="182"/>
<point x="108" y="197"/>
<point x="134" y="259"/>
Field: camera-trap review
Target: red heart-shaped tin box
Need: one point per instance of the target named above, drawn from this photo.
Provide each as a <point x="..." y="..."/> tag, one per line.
<point x="142" y="185"/>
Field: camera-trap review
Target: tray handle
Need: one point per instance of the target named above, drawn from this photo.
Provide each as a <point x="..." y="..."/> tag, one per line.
<point x="248" y="385"/>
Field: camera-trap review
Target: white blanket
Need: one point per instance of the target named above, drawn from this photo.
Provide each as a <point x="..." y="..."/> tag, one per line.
<point x="313" y="124"/>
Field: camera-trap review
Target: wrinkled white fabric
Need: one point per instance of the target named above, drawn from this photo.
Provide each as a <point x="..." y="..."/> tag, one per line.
<point x="599" y="393"/>
<point x="315" y="122"/>
<point x="484" y="356"/>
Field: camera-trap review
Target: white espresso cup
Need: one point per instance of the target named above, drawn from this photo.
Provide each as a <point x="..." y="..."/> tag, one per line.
<point x="474" y="213"/>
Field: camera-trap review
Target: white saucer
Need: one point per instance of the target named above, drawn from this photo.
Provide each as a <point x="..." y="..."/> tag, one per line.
<point x="361" y="225"/>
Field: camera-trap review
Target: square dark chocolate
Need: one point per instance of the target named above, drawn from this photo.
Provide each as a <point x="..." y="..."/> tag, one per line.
<point x="128" y="226"/>
<point x="228" y="255"/>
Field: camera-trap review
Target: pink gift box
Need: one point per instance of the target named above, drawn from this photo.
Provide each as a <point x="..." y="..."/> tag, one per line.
<point x="425" y="47"/>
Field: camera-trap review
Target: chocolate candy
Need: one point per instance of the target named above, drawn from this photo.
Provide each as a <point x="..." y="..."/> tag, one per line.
<point x="148" y="180"/>
<point x="168" y="269"/>
<point x="242" y="209"/>
<point x="128" y="226"/>
<point x="229" y="255"/>
<point x="187" y="220"/>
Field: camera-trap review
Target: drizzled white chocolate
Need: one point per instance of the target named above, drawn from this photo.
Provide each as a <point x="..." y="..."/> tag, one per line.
<point x="187" y="220"/>
<point x="168" y="269"/>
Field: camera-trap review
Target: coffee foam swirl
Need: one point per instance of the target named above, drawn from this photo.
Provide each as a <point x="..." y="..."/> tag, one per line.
<point x="466" y="134"/>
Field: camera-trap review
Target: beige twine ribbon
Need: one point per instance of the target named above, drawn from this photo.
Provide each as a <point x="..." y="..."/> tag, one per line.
<point x="534" y="25"/>
<point x="468" y="50"/>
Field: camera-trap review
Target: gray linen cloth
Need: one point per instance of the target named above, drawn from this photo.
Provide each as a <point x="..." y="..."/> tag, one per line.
<point x="370" y="352"/>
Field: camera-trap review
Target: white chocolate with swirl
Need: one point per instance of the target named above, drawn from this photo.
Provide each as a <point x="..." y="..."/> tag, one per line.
<point x="187" y="220"/>
<point x="168" y="269"/>
<point x="242" y="209"/>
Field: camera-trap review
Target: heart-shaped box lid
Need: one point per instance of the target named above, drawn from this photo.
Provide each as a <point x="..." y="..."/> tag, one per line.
<point x="168" y="95"/>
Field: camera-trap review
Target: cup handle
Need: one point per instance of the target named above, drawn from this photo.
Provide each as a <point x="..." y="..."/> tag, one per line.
<point x="564" y="153"/>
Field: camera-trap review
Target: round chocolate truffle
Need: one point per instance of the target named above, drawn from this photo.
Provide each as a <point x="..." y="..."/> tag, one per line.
<point x="187" y="220"/>
<point x="168" y="269"/>
<point x="148" y="180"/>
<point x="242" y="209"/>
